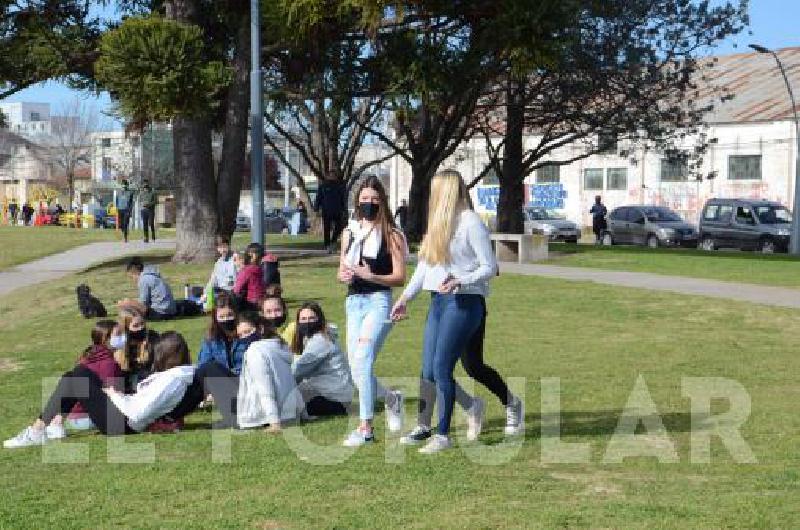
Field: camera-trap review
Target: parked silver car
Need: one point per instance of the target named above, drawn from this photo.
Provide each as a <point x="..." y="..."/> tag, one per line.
<point x="550" y="223"/>
<point x="653" y="226"/>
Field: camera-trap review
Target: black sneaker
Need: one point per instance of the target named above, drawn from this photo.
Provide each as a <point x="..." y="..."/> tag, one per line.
<point x="416" y="436"/>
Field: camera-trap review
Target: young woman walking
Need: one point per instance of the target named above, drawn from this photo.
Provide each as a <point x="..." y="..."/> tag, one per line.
<point x="372" y="261"/>
<point x="456" y="263"/>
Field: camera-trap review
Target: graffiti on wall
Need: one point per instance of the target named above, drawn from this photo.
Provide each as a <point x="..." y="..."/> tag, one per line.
<point x="488" y="197"/>
<point x="547" y="195"/>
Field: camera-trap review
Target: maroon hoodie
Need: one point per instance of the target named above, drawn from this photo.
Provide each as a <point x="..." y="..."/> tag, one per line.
<point x="100" y="360"/>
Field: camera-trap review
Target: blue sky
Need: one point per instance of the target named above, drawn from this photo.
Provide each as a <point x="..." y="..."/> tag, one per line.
<point x="774" y="24"/>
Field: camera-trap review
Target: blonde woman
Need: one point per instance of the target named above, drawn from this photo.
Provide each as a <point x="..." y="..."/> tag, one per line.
<point x="456" y="263"/>
<point x="133" y="342"/>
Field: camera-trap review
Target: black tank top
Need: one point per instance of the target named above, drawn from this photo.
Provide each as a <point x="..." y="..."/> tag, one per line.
<point x="381" y="264"/>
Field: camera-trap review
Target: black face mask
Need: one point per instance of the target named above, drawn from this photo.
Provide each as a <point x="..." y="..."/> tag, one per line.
<point x="308" y="329"/>
<point x="276" y="322"/>
<point x="228" y="326"/>
<point x="137" y="336"/>
<point x="369" y="210"/>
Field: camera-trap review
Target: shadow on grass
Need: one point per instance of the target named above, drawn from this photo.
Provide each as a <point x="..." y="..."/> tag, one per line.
<point x="154" y="257"/>
<point x="595" y="423"/>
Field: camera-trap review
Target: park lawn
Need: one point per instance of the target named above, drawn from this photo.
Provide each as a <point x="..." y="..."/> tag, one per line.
<point x="738" y="267"/>
<point x="596" y="339"/>
<point x="21" y="244"/>
<point x="283" y="241"/>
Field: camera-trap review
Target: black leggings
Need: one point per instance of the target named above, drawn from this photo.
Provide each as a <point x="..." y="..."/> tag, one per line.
<point x="81" y="385"/>
<point x="477" y="369"/>
<point x="215" y="379"/>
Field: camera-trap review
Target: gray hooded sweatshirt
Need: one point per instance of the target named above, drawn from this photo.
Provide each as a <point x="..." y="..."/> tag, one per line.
<point x="154" y="292"/>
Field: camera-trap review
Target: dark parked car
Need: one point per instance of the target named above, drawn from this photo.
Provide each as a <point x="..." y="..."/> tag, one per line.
<point x="653" y="226"/>
<point x="745" y="224"/>
<point x="550" y="223"/>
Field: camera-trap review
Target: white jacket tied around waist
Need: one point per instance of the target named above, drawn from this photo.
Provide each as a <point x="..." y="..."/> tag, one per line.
<point x="472" y="261"/>
<point x="267" y="392"/>
<point x="156" y="396"/>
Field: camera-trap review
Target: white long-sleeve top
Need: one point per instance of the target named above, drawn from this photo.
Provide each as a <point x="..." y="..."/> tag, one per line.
<point x="155" y="396"/>
<point x="266" y="385"/>
<point x="472" y="261"/>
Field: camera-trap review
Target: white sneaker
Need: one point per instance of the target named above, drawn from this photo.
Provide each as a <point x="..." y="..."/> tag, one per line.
<point x="27" y="438"/>
<point x="79" y="424"/>
<point x="394" y="414"/>
<point x="475" y="419"/>
<point x="515" y="418"/>
<point x="357" y="438"/>
<point x="437" y="443"/>
<point x="55" y="432"/>
<point x="419" y="434"/>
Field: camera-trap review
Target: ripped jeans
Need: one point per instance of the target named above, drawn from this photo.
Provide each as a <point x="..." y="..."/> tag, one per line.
<point x="367" y="328"/>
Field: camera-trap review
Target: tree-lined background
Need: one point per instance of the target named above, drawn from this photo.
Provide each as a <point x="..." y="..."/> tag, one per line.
<point x="420" y="77"/>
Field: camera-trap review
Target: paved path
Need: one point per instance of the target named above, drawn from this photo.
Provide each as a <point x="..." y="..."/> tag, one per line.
<point x="759" y="294"/>
<point x="74" y="260"/>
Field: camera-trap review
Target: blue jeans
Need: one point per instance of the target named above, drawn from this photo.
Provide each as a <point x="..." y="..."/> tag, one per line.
<point x="367" y="328"/>
<point x="452" y="320"/>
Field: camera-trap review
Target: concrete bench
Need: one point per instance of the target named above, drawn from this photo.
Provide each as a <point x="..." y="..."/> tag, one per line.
<point x="522" y="248"/>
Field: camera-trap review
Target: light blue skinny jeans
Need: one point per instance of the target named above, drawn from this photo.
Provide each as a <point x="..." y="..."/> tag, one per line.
<point x="367" y="328"/>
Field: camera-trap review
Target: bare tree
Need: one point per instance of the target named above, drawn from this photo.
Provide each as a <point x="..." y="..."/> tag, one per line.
<point x="68" y="142"/>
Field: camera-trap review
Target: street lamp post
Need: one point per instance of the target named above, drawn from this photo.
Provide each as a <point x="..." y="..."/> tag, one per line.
<point x="256" y="126"/>
<point x="794" y="241"/>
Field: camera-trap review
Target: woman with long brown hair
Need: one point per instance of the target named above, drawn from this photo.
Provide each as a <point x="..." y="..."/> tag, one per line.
<point x="372" y="262"/>
<point x="133" y="342"/>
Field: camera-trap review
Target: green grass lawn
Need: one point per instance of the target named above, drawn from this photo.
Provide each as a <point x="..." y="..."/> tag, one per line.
<point x="27" y="243"/>
<point x="740" y="267"/>
<point x="299" y="242"/>
<point x="597" y="339"/>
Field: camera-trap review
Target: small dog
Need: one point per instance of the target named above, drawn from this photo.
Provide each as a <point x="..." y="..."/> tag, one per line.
<point x="89" y="305"/>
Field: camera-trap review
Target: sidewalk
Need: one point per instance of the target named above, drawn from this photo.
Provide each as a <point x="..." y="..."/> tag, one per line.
<point x="743" y="292"/>
<point x="74" y="260"/>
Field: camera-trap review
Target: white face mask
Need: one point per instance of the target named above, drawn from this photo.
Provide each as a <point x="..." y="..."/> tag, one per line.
<point x="117" y="342"/>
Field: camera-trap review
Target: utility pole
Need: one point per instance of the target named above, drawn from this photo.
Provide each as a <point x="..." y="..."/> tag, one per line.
<point x="794" y="241"/>
<point x="256" y="126"/>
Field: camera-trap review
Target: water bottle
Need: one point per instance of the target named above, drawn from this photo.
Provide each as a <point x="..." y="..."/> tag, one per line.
<point x="186" y="291"/>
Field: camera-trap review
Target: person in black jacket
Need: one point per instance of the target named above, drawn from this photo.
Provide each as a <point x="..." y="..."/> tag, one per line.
<point x="599" y="224"/>
<point x="331" y="203"/>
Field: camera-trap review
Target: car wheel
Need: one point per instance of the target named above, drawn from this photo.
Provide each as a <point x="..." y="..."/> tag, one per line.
<point x="708" y="244"/>
<point x="607" y="239"/>
<point x="652" y="241"/>
<point x="767" y="246"/>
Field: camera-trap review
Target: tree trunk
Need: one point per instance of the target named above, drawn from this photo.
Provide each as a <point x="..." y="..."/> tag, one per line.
<point x="197" y="196"/>
<point x="197" y="214"/>
<point x="418" y="195"/>
<point x="234" y="141"/>
<point x="512" y="192"/>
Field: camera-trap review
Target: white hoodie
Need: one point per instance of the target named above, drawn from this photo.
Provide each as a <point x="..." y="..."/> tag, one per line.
<point x="157" y="395"/>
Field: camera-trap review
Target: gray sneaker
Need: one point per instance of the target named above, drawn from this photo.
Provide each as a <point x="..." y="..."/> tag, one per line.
<point x="27" y="438"/>
<point x="515" y="418"/>
<point x="419" y="434"/>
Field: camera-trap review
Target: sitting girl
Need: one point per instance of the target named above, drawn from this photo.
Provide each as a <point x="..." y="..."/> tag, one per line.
<point x="113" y="412"/>
<point x="266" y="393"/>
<point x="221" y="344"/>
<point x="321" y="372"/>
<point x="99" y="359"/>
<point x="133" y="344"/>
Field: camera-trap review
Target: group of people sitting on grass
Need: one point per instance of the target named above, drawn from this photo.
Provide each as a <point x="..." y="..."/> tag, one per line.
<point x="261" y="372"/>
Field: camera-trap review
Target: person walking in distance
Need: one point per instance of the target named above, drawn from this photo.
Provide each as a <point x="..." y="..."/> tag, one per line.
<point x="331" y="203"/>
<point x="401" y="215"/>
<point x="598" y="211"/>
<point x="148" y="200"/>
<point x="124" y="206"/>
<point x="13" y="210"/>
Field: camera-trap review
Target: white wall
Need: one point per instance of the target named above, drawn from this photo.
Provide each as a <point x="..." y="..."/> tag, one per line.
<point x="774" y="141"/>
